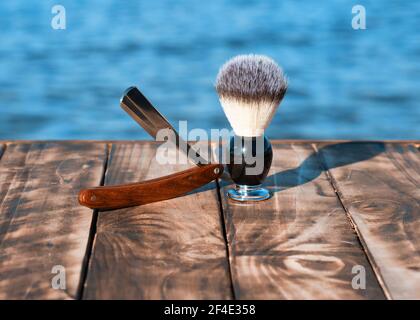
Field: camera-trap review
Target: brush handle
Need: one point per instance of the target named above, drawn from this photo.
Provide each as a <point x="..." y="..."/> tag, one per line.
<point x="134" y="194"/>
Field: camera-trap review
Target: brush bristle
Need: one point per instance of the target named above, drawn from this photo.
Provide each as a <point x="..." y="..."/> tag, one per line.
<point x="250" y="88"/>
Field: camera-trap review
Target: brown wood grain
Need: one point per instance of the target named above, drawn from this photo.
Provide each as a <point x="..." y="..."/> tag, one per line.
<point x="172" y="249"/>
<point x="41" y="223"/>
<point x="382" y="197"/>
<point x="299" y="244"/>
<point x="296" y="245"/>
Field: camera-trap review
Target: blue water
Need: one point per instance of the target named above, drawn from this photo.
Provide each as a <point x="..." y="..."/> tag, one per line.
<point x="66" y="84"/>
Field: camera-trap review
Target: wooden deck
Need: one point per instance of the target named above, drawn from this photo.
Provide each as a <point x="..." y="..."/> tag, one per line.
<point x="338" y="208"/>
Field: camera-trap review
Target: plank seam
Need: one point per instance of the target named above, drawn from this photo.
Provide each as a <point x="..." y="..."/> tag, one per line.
<point x="92" y="234"/>
<point x="222" y="222"/>
<point x="3" y="148"/>
<point x="353" y="225"/>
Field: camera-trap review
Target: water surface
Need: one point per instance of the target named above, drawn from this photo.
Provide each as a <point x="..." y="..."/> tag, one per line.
<point x="344" y="84"/>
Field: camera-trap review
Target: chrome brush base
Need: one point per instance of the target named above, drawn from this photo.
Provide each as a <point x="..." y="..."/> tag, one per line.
<point x="248" y="193"/>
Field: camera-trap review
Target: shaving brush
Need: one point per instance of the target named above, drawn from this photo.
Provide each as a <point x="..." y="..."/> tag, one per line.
<point x="250" y="89"/>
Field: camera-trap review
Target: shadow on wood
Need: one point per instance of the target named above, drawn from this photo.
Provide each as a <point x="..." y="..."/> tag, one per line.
<point x="310" y="169"/>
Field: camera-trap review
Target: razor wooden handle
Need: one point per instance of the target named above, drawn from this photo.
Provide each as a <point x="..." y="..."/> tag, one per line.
<point x="163" y="188"/>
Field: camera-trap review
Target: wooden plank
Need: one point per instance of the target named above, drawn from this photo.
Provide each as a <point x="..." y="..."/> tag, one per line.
<point x="172" y="249"/>
<point x="299" y="244"/>
<point x="381" y="194"/>
<point x="41" y="223"/>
